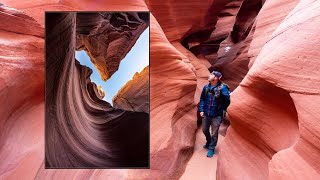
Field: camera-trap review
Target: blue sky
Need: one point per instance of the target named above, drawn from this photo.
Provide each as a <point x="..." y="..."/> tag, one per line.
<point x="134" y="61"/>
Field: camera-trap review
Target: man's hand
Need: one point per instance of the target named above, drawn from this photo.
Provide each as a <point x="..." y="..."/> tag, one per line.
<point x="201" y="114"/>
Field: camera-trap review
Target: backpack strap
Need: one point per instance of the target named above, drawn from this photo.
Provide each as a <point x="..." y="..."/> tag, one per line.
<point x="226" y="85"/>
<point x="206" y="91"/>
<point x="219" y="88"/>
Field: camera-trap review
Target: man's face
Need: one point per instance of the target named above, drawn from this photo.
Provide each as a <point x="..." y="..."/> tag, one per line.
<point x="212" y="78"/>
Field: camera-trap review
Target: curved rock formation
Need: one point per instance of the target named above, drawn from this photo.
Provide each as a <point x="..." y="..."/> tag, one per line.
<point x="177" y="17"/>
<point x="170" y="147"/>
<point x="274" y="120"/>
<point x="220" y="40"/>
<point x="108" y="37"/>
<point x="96" y="92"/>
<point x="134" y="95"/>
<point x="21" y="94"/>
<point x="272" y="127"/>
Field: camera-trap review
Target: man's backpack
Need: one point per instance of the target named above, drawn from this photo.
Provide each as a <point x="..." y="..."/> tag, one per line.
<point x="221" y="101"/>
<point x="219" y="88"/>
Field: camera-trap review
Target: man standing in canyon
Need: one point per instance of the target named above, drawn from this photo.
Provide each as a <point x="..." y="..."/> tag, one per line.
<point x="214" y="100"/>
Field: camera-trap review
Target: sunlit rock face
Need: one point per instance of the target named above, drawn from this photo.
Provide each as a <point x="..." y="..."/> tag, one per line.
<point x="100" y="92"/>
<point x="134" y="95"/>
<point x="108" y="37"/>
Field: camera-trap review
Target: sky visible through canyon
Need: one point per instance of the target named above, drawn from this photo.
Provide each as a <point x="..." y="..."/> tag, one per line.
<point x="135" y="61"/>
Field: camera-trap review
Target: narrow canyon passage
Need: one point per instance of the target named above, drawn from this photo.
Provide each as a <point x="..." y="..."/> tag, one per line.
<point x="200" y="166"/>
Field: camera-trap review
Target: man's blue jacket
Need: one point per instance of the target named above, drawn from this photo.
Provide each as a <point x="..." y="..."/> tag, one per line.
<point x="214" y="99"/>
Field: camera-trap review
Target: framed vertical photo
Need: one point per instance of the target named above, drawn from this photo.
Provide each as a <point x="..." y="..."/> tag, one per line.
<point x="97" y="110"/>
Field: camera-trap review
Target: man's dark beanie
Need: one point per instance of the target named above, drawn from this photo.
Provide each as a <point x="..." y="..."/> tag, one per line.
<point x="217" y="74"/>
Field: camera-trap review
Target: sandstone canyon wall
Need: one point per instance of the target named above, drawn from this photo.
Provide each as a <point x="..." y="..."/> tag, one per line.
<point x="266" y="50"/>
<point x="108" y="37"/>
<point x="275" y="133"/>
<point x="134" y="95"/>
<point x="173" y="129"/>
<point x="21" y="95"/>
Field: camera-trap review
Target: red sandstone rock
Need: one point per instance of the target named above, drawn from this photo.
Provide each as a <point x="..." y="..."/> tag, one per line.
<point x="101" y="92"/>
<point x="134" y="95"/>
<point x="21" y="95"/>
<point x="278" y="63"/>
<point x="271" y="129"/>
<point x="168" y="142"/>
<point x="235" y="59"/>
<point x="108" y="37"/>
<point x="177" y="17"/>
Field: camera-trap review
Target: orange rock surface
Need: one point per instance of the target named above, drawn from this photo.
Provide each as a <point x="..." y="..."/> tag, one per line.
<point x="134" y="95"/>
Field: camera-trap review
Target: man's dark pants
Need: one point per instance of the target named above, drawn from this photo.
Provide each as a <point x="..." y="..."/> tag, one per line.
<point x="215" y="124"/>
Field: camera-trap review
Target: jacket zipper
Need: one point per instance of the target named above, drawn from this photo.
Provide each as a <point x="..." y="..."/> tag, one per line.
<point x="209" y="104"/>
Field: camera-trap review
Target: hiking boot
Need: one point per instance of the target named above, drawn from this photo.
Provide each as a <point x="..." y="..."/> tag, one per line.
<point x="210" y="153"/>
<point x="206" y="146"/>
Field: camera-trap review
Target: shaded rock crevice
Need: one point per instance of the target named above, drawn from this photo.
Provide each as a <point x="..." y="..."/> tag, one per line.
<point x="226" y="45"/>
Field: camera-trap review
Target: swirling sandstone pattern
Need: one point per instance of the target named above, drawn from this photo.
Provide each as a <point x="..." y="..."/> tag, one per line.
<point x="108" y="37"/>
<point x="21" y="94"/>
<point x="274" y="116"/>
<point x="273" y="130"/>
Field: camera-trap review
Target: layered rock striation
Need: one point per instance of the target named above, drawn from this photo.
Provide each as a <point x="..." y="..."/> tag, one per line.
<point x="21" y="94"/>
<point x="134" y="95"/>
<point x="266" y="50"/>
<point x="272" y="127"/>
<point x="108" y="37"/>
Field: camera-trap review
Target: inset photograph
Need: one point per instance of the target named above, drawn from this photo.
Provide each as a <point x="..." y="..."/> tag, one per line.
<point x="97" y="90"/>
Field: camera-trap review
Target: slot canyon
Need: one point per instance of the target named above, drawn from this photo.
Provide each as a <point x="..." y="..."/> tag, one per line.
<point x="267" y="51"/>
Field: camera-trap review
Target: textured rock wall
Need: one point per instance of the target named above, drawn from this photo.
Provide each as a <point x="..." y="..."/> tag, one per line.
<point x="177" y="17"/>
<point x="273" y="116"/>
<point x="108" y="37"/>
<point x="21" y="95"/>
<point x="267" y="139"/>
<point x="221" y="40"/>
<point x="172" y="126"/>
<point x="134" y="95"/>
